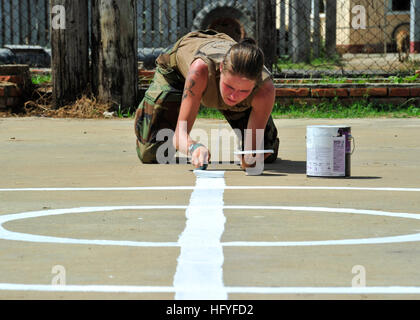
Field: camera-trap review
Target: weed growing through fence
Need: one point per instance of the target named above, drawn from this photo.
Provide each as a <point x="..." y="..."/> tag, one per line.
<point x="127" y="113"/>
<point x="41" y="79"/>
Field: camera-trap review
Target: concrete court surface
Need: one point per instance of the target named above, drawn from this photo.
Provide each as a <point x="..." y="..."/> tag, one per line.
<point x="39" y="154"/>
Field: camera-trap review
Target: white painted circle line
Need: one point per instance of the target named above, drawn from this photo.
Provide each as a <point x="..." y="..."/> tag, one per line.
<point x="16" y="236"/>
<point x="397" y="290"/>
<point x="199" y="272"/>
<point x="186" y="188"/>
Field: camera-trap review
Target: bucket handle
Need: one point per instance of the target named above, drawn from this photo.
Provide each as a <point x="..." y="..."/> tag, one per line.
<point x="354" y="144"/>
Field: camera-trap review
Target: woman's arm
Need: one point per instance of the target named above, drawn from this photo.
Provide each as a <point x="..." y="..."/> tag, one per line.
<point x="262" y="106"/>
<point x="195" y="84"/>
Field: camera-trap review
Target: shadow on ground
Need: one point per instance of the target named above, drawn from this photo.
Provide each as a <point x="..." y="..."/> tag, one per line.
<point x="283" y="167"/>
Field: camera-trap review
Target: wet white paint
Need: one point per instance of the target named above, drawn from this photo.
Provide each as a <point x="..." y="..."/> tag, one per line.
<point x="18" y="236"/>
<point x="186" y="188"/>
<point x="230" y="290"/>
<point x="199" y="273"/>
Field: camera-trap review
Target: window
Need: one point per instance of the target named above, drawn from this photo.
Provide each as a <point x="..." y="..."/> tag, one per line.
<point x="400" y="5"/>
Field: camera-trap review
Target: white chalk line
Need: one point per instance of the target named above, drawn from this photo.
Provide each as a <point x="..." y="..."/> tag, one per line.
<point x="18" y="236"/>
<point x="397" y="290"/>
<point x="188" y="188"/>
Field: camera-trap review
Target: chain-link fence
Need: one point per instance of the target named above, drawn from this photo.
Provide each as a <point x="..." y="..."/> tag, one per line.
<point x="24" y="22"/>
<point x="328" y="37"/>
<point x="348" y="37"/>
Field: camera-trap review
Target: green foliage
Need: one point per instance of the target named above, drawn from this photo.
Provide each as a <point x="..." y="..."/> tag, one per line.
<point x="335" y="110"/>
<point x="408" y="79"/>
<point x="41" y="79"/>
<point x="209" y="113"/>
<point x="125" y="113"/>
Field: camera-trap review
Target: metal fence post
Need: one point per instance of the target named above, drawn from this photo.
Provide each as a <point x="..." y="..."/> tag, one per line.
<point x="415" y="26"/>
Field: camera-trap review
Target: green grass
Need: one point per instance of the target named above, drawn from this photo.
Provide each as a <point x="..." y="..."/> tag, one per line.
<point x="125" y="113"/>
<point x="207" y="113"/>
<point x="40" y="79"/>
<point x="408" y="79"/>
<point x="323" y="61"/>
<point x="324" y="110"/>
<point x="332" y="110"/>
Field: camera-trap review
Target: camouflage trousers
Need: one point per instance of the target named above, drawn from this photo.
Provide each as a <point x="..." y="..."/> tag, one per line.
<point x="159" y="110"/>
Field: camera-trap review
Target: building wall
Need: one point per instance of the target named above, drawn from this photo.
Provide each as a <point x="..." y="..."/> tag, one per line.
<point x="381" y="23"/>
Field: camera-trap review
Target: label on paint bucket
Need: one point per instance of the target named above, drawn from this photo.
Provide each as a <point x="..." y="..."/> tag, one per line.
<point x="326" y="151"/>
<point x="339" y="155"/>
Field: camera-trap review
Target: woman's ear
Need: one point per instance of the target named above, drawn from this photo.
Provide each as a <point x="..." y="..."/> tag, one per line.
<point x="221" y="67"/>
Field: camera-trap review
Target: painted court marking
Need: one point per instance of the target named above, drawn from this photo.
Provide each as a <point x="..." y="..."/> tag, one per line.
<point x="171" y="289"/>
<point x="200" y="264"/>
<point x="201" y="250"/>
<point x="19" y="236"/>
<point x="186" y="188"/>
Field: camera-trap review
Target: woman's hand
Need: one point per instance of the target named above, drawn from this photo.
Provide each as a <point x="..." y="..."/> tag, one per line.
<point x="200" y="157"/>
<point x="249" y="161"/>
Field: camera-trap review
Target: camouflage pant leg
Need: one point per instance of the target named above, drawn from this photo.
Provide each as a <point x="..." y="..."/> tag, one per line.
<point x="158" y="110"/>
<point x="239" y="120"/>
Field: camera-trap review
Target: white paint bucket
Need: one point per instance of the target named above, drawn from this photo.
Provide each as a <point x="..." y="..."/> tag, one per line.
<point x="328" y="151"/>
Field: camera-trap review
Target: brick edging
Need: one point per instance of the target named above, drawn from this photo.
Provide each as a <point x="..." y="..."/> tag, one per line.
<point x="339" y="92"/>
<point x="14" y="82"/>
<point x="347" y="94"/>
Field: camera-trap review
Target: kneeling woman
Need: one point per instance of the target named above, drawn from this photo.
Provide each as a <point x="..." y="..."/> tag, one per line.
<point x="210" y="69"/>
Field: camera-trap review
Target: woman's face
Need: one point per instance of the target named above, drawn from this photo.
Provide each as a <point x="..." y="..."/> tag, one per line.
<point x="233" y="88"/>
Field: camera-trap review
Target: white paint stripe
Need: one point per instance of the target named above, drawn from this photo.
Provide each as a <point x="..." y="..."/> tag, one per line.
<point x="85" y="288"/>
<point x="199" y="273"/>
<point x="175" y="188"/>
<point x="325" y="290"/>
<point x="186" y="188"/>
<point x="397" y="290"/>
<point x="209" y="206"/>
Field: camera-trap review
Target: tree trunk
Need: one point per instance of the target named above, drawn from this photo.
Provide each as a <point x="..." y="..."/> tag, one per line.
<point x="301" y="11"/>
<point x="282" y="32"/>
<point x="331" y="27"/>
<point x="316" y="36"/>
<point x="266" y="30"/>
<point x="70" y="50"/>
<point x="114" y="52"/>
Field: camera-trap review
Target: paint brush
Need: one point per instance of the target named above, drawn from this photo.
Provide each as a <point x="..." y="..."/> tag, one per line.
<point x="253" y="152"/>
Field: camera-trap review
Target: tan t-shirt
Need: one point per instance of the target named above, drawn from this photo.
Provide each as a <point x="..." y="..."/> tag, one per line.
<point x="211" y="48"/>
